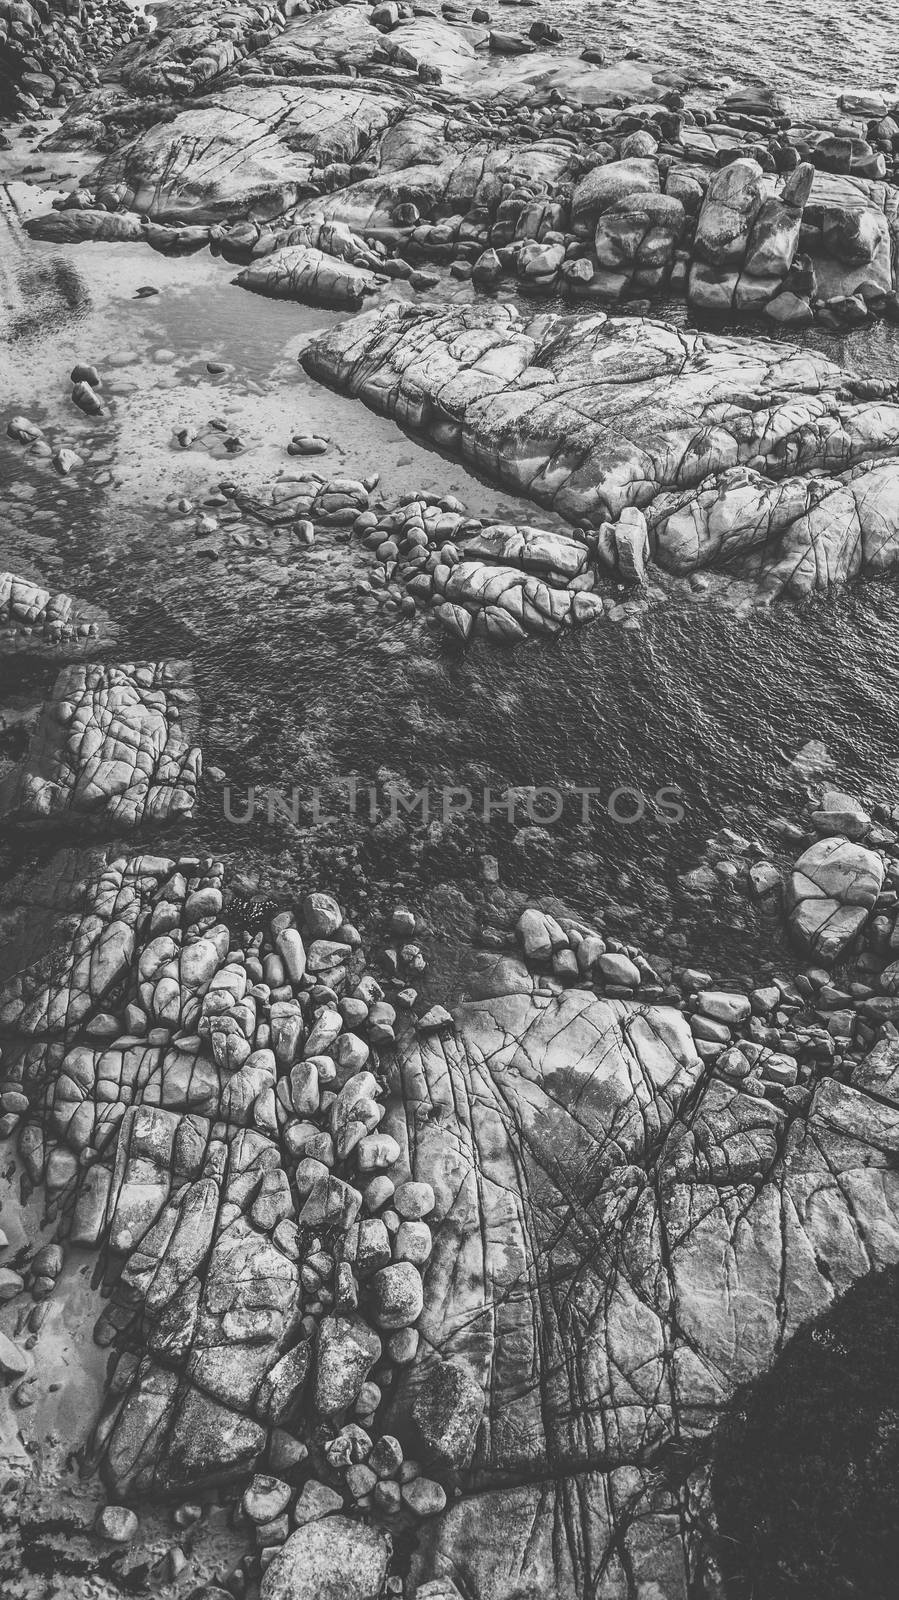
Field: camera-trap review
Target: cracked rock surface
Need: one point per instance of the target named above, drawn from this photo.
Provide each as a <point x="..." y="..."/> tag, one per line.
<point x="115" y="745"/>
<point x="757" y="458"/>
<point x="36" y="622"/>
<point x="527" y="1251"/>
<point x="451" y="141"/>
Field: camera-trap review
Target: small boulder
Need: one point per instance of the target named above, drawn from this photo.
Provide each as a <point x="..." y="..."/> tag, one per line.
<point x="118" y="1523"/>
<point x="347" y="1350"/>
<point x="447" y="1413"/>
<point x="397" y="1295"/>
<point x="266" y="1497"/>
<point x="331" y="1558"/>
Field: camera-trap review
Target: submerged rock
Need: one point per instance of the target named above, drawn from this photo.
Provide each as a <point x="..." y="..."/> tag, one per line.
<point x="35" y="621"/>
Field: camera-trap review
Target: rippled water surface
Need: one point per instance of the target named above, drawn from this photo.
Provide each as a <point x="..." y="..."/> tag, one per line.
<point x="811" y="51"/>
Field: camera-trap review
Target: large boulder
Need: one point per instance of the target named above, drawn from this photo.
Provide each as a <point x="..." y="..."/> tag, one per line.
<point x="731" y="204"/>
<point x="298" y="272"/>
<point x="250" y="149"/>
<point x="830" y="894"/>
<point x="617" y="183"/>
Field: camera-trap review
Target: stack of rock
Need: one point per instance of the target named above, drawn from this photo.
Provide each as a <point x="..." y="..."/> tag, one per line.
<point x="841" y="902"/>
<point x="215" y="1119"/>
<point x="35" y="621"/>
<point x="51" y="50"/>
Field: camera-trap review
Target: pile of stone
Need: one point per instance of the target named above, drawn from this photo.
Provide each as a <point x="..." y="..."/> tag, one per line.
<point x="31" y="434"/>
<point x="841" y="904"/>
<point x="35" y="621"/>
<point x="52" y="50"/>
<point x="497" y="580"/>
<point x="503" y="581"/>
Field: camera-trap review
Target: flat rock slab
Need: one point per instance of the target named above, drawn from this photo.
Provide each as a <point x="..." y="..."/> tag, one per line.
<point x="115" y="746"/>
<point x="747" y="455"/>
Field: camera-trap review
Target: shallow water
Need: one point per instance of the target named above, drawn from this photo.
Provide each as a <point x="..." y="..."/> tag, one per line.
<point x="811" y="53"/>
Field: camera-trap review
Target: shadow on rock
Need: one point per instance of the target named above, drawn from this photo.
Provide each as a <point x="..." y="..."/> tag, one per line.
<point x="807" y="1467"/>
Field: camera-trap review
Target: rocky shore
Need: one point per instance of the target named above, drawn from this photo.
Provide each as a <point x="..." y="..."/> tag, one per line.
<point x="414" y="1288"/>
<point x="439" y="139"/>
<point x="334" y="1264"/>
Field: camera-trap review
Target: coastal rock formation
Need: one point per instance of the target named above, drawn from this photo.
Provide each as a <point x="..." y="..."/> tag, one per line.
<point x="527" y="1247"/>
<point x="35" y="622"/>
<point x="756" y="458"/>
<point x="115" y="745"/>
<point x="443" y="140"/>
<point x="435" y="1302"/>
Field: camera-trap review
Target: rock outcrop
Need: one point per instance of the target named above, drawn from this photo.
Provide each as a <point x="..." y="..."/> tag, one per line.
<point x="756" y="458"/>
<point x="115" y="745"/>
<point x="451" y="143"/>
<point x="34" y="621"/>
<point x="528" y="1248"/>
